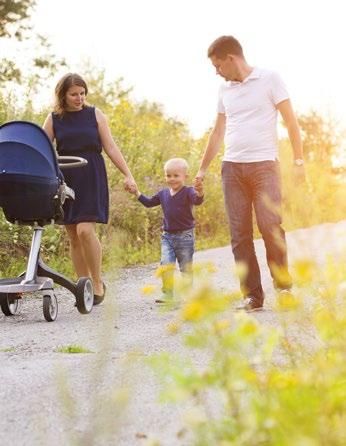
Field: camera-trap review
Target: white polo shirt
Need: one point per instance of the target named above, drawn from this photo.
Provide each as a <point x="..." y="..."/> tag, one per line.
<point x="251" y="116"/>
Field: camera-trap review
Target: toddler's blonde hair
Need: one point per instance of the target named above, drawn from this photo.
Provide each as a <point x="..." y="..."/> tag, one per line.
<point x="176" y="162"/>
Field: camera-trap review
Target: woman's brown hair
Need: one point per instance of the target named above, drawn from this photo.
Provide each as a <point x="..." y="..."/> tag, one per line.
<point x="61" y="88"/>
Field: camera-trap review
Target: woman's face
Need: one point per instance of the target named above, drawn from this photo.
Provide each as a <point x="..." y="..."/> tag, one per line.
<point x="75" y="98"/>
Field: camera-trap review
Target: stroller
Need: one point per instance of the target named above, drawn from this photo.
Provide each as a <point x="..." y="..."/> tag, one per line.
<point x="32" y="192"/>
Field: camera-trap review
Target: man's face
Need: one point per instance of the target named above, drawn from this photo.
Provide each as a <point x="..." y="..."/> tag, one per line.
<point x="224" y="67"/>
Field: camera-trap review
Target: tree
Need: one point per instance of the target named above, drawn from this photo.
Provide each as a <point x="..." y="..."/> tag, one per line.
<point x="320" y="136"/>
<point x="14" y="15"/>
<point x="15" y="24"/>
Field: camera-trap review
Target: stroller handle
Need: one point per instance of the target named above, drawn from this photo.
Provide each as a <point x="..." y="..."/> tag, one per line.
<point x="69" y="162"/>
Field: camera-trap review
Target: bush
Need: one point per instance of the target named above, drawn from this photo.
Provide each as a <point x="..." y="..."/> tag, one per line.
<point x="260" y="385"/>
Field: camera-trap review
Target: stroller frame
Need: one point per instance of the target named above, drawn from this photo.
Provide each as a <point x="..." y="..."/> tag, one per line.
<point x="39" y="277"/>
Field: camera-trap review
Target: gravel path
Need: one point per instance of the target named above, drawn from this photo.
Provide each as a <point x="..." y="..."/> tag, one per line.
<point x="51" y="398"/>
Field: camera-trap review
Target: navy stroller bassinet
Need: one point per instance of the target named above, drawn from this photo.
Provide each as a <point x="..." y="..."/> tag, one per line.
<point x="30" y="177"/>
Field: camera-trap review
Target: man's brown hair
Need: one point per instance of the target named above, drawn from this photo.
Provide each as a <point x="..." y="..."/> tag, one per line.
<point x="225" y="45"/>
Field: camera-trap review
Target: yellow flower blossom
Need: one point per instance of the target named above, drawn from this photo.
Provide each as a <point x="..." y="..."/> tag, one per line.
<point x="162" y="269"/>
<point x="173" y="327"/>
<point x="304" y="270"/>
<point x="222" y="324"/>
<point x="249" y="328"/>
<point x="193" y="311"/>
<point x="148" y="289"/>
<point x="200" y="268"/>
<point x="287" y="301"/>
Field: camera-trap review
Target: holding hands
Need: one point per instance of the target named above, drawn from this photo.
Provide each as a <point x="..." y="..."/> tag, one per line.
<point x="198" y="185"/>
<point x="130" y="185"/>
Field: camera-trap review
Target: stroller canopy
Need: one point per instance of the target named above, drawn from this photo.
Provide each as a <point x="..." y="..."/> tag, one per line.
<point x="26" y="149"/>
<point x="29" y="173"/>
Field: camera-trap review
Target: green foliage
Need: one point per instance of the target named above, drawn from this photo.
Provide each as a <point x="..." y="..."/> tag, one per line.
<point x="9" y="70"/>
<point x="14" y="15"/>
<point x="317" y="201"/>
<point x="15" y="24"/>
<point x="320" y="136"/>
<point x="261" y="385"/>
<point x="147" y="139"/>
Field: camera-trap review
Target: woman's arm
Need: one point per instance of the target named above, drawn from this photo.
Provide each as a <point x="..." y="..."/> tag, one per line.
<point x="48" y="127"/>
<point x="113" y="150"/>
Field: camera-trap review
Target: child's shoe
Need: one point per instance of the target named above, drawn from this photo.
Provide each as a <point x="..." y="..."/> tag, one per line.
<point x="166" y="298"/>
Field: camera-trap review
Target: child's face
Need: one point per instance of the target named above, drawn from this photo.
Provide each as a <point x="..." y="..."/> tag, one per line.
<point x="175" y="177"/>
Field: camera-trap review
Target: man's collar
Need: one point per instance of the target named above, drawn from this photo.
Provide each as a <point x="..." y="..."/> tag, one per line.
<point x="254" y="74"/>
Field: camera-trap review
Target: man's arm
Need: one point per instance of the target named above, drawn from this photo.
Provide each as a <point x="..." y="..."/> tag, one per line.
<point x="214" y="143"/>
<point x="290" y="120"/>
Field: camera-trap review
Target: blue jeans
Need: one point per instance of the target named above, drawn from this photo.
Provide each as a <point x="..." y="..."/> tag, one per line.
<point x="257" y="186"/>
<point x="180" y="247"/>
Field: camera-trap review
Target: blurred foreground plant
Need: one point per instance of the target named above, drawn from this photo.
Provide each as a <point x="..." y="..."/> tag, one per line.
<point x="261" y="385"/>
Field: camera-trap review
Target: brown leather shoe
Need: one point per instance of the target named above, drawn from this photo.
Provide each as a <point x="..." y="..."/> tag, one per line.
<point x="250" y="304"/>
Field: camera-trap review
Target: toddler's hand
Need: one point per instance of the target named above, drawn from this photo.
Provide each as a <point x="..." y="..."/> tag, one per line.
<point x="198" y="186"/>
<point x="134" y="191"/>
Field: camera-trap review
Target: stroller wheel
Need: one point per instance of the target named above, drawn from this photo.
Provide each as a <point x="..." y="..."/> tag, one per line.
<point x="9" y="305"/>
<point x="50" y="307"/>
<point x="84" y="295"/>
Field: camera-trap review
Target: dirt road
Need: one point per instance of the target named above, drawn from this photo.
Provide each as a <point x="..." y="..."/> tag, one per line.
<point x="52" y="398"/>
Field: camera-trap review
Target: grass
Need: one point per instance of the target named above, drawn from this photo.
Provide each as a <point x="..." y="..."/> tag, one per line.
<point x="73" y="348"/>
<point x="7" y="349"/>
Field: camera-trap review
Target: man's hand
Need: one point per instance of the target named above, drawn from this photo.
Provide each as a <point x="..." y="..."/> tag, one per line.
<point x="198" y="186"/>
<point x="198" y="183"/>
<point x="199" y="177"/>
<point x="299" y="173"/>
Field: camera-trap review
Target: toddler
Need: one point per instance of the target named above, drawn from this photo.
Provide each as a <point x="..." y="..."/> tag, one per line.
<point x="177" y="239"/>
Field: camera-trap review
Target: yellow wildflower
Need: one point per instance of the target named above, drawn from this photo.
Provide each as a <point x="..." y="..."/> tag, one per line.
<point x="222" y="324"/>
<point x="148" y="289"/>
<point x="193" y="311"/>
<point x="173" y="327"/>
<point x="287" y="301"/>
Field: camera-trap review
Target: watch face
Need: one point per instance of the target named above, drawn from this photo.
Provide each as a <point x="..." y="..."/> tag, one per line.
<point x="298" y="162"/>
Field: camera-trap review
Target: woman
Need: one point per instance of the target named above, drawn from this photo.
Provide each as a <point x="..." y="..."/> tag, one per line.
<point x="81" y="130"/>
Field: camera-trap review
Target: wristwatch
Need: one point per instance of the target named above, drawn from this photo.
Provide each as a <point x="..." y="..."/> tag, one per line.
<point x="299" y="162"/>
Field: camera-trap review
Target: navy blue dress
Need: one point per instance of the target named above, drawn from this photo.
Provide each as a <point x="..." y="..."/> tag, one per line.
<point x="76" y="134"/>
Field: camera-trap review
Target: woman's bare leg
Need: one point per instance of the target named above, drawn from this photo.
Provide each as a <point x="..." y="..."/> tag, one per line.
<point x="77" y="252"/>
<point x="92" y="253"/>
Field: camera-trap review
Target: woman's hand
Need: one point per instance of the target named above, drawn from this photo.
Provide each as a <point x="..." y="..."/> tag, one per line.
<point x="130" y="185"/>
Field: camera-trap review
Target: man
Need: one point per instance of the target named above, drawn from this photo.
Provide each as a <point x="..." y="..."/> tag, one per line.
<point x="248" y="106"/>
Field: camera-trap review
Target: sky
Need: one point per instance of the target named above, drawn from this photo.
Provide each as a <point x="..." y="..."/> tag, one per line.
<point x="159" y="47"/>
